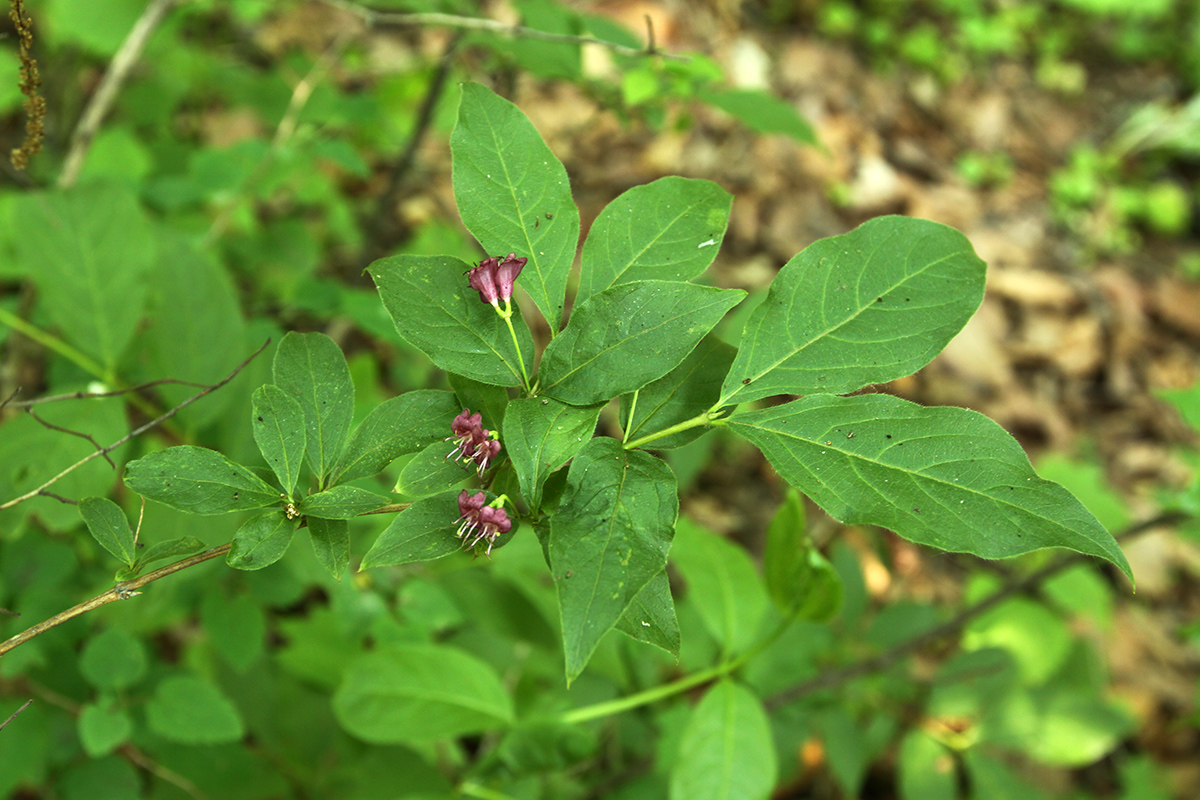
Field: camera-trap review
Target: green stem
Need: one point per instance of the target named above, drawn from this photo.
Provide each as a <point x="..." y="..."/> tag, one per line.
<point x="629" y="416"/>
<point x="506" y="315"/>
<point x="610" y="707"/>
<point x="694" y="422"/>
<point x="57" y="345"/>
<point x="472" y="789"/>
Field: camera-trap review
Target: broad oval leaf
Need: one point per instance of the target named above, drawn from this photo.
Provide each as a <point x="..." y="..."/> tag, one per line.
<point x="88" y="251"/>
<point x="727" y="751"/>
<point x="172" y="548"/>
<point x="865" y="307"/>
<point x="608" y="539"/>
<point x="199" y="481"/>
<point x="682" y="394"/>
<point x="193" y="711"/>
<point x="261" y="541"/>
<point x="762" y="111"/>
<point x="278" y="425"/>
<point x="312" y="370"/>
<point x="667" y="230"/>
<point x="540" y="435"/>
<point x="109" y="527"/>
<point x="422" y="532"/>
<point x="623" y="338"/>
<point x="430" y="472"/>
<point x="420" y="693"/>
<point x="650" y="618"/>
<point x="436" y="311"/>
<point x="341" y="502"/>
<point x="722" y="584"/>
<point x="400" y="425"/>
<point x="514" y="196"/>
<point x="331" y="544"/>
<point x="946" y="477"/>
<point x="490" y="401"/>
<point x="102" y="727"/>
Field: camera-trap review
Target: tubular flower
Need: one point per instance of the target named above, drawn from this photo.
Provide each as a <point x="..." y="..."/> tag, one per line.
<point x="479" y="522"/>
<point x="474" y="444"/>
<point x="494" y="278"/>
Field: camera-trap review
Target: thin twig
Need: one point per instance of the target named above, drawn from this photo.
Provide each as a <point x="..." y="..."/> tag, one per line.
<point x="9" y="613"/>
<point x="453" y="21"/>
<point x="136" y="432"/>
<point x="13" y="715"/>
<point x="118" y="71"/>
<point x="51" y="426"/>
<point x="139" y="758"/>
<point x="122" y="591"/>
<point x="64" y="500"/>
<point x="284" y="131"/>
<point x="82" y="395"/>
<point x="400" y="170"/>
<point x="882" y="661"/>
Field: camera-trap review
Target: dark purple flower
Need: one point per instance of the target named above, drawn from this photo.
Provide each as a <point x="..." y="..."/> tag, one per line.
<point x="473" y="443"/>
<point x="494" y="279"/>
<point x="479" y="522"/>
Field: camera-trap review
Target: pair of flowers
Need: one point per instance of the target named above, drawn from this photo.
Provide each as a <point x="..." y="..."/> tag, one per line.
<point x="474" y="444"/>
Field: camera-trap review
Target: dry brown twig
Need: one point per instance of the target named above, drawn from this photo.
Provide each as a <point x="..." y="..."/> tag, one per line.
<point x="880" y="662"/>
<point x="372" y="17"/>
<point x="104" y="451"/>
<point x="122" y="591"/>
<point x="82" y="395"/>
<point x="13" y="715"/>
<point x="114" y="77"/>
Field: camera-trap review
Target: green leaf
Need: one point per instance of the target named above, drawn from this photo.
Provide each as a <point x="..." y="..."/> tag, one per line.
<point x="945" y="477"/>
<point x="540" y="436"/>
<point x="926" y="769"/>
<point x="236" y="626"/>
<point x="199" y="481"/>
<point x="278" y="424"/>
<point x="431" y="472"/>
<point x="650" y="618"/>
<point x="401" y="425"/>
<point x="261" y="541"/>
<point x="88" y="251"/>
<point x="682" y="394"/>
<point x="195" y="332"/>
<point x="420" y="693"/>
<point x="331" y="544"/>
<point x="436" y="311"/>
<point x="109" y="527"/>
<point x="341" y="502"/>
<point x="311" y="368"/>
<point x="629" y="335"/>
<point x="192" y="711"/>
<point x="722" y="584"/>
<point x="784" y="566"/>
<point x="668" y="230"/>
<point x="865" y="307"/>
<point x="113" y="660"/>
<point x="490" y="401"/>
<point x="422" y="532"/>
<point x="609" y="538"/>
<point x="800" y="581"/>
<point x="762" y="112"/>
<point x="173" y="548"/>
<point x="102" y="728"/>
<point x="514" y="196"/>
<point x="727" y="751"/>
